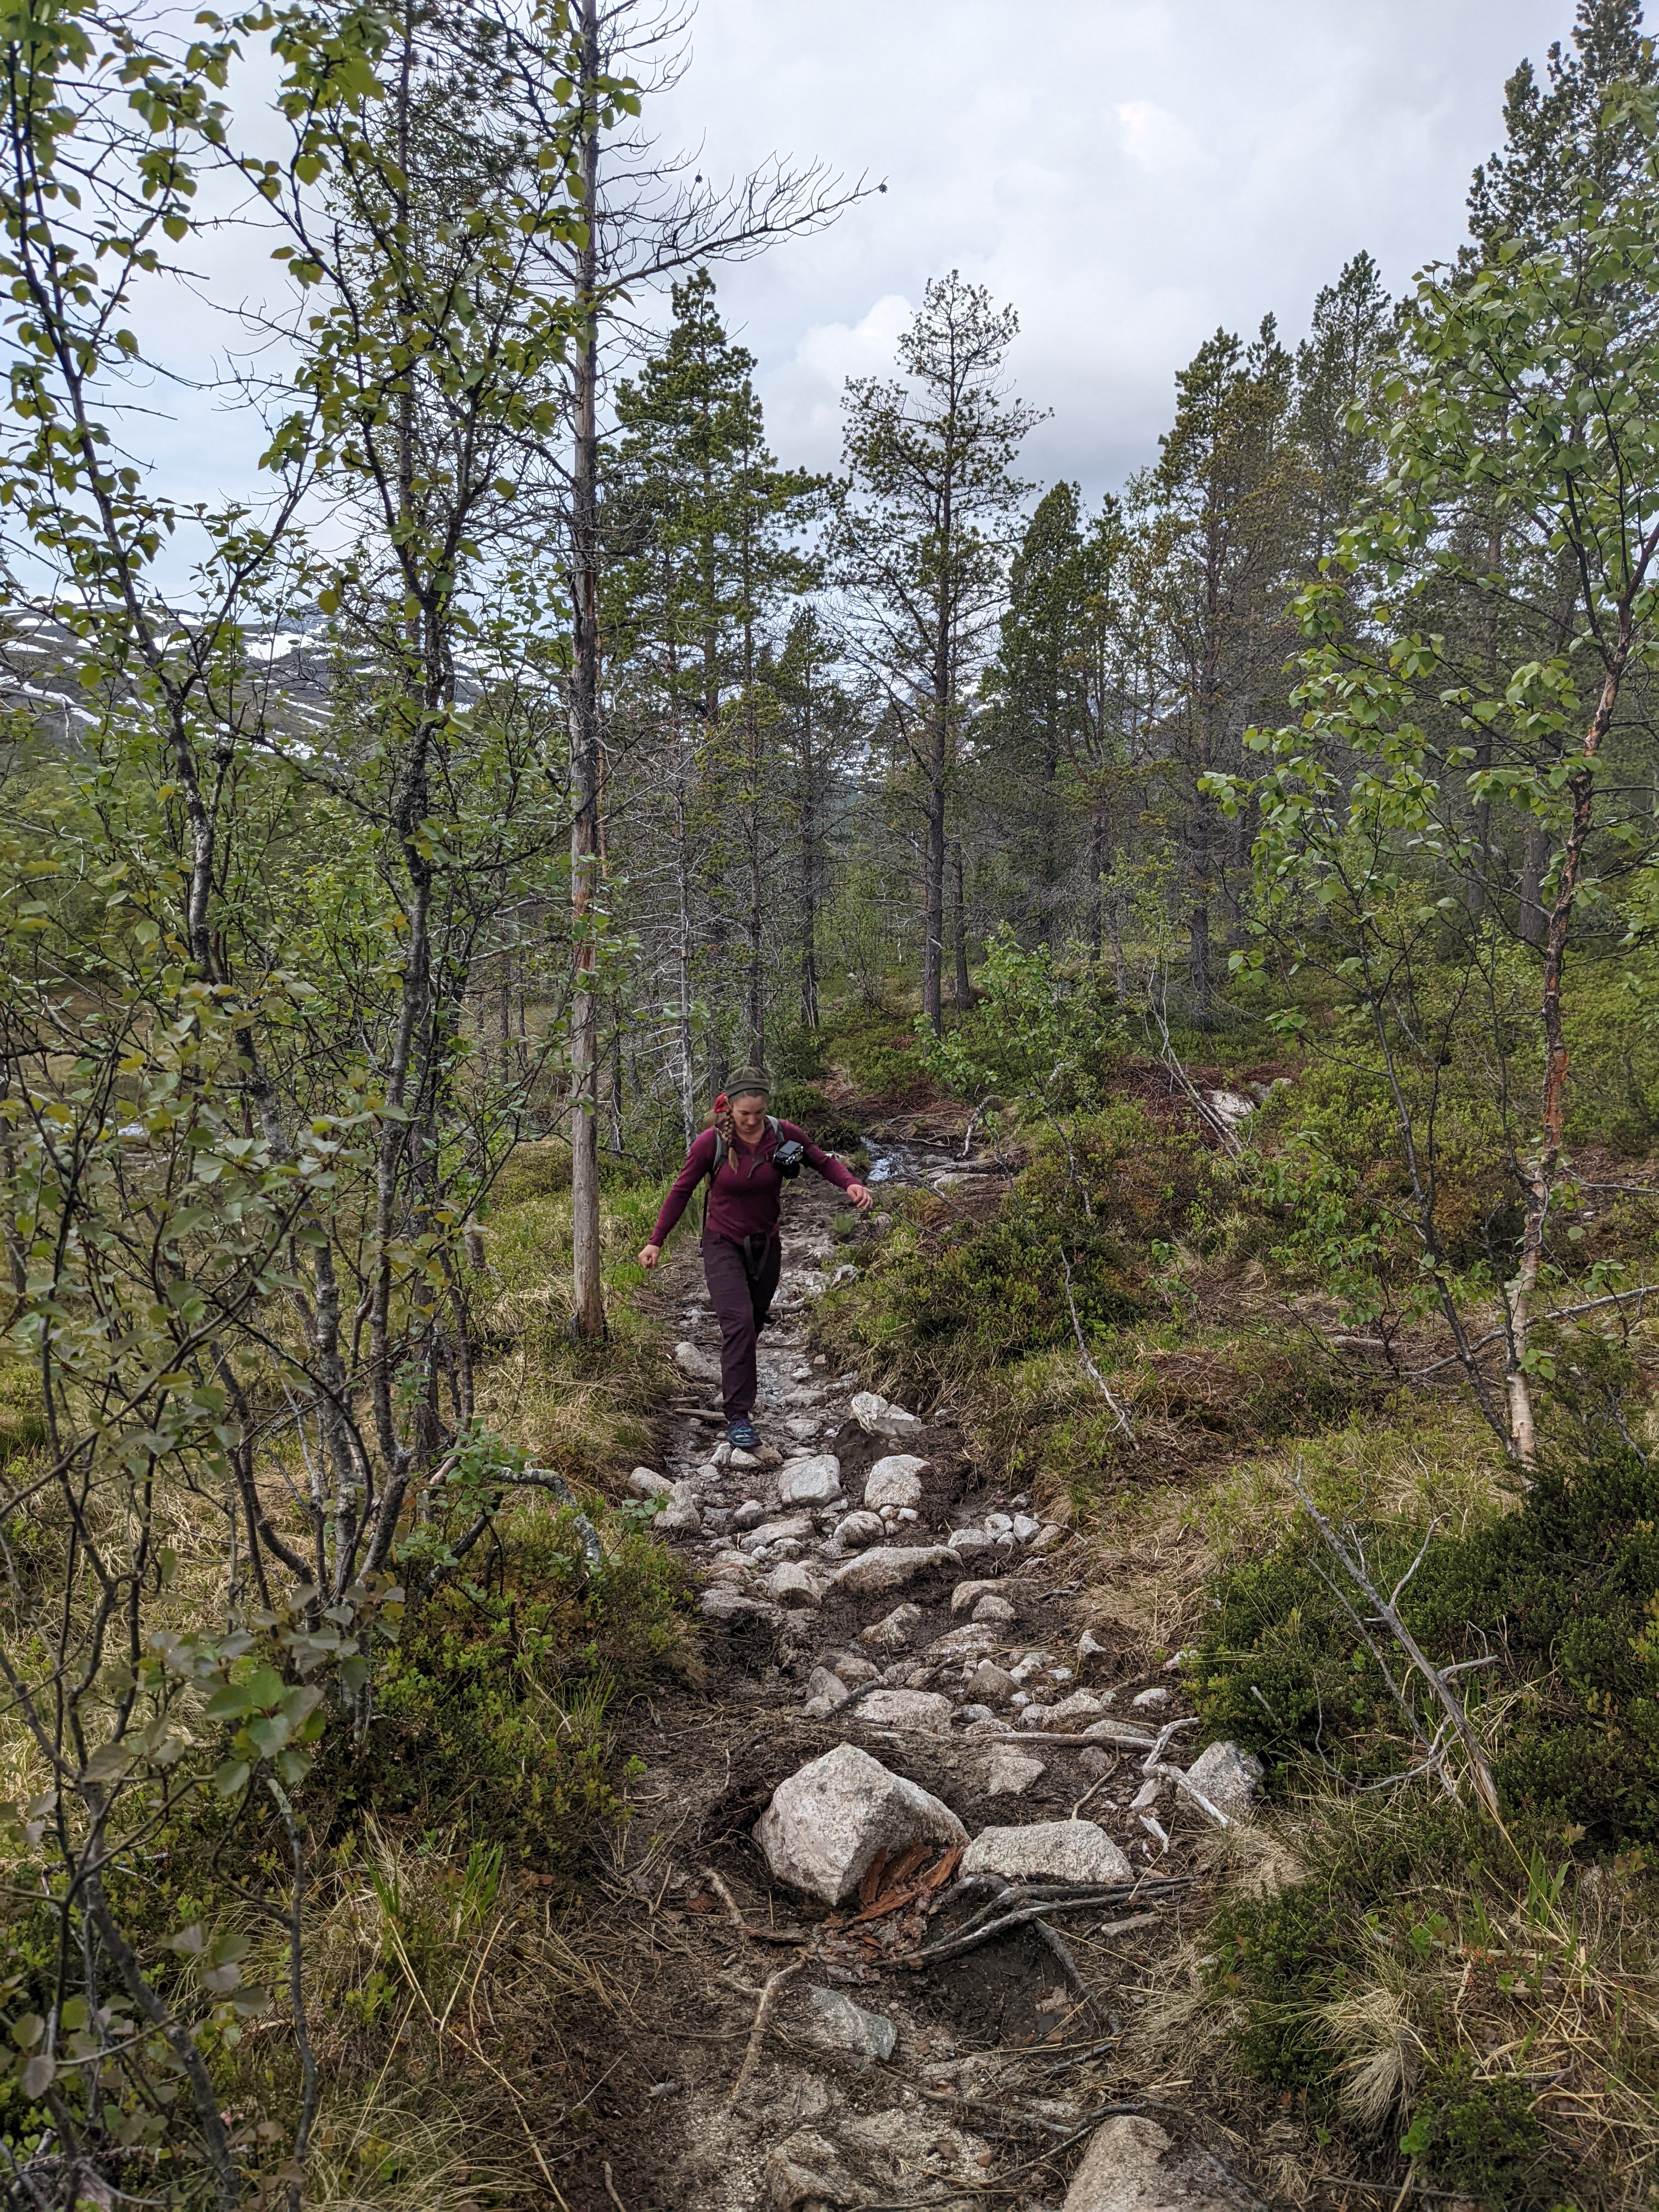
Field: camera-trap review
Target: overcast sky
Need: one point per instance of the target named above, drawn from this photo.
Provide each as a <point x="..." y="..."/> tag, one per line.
<point x="1130" y="174"/>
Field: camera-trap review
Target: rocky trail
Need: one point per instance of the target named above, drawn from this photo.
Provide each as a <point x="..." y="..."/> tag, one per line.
<point x="883" y="1919"/>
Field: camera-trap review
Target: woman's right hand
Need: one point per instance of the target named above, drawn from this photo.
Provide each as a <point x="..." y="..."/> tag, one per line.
<point x="649" y="1255"/>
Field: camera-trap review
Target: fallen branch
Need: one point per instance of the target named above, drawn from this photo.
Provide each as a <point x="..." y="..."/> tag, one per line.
<point x="1387" y="1612"/>
<point x="1089" y="1367"/>
<point x="1121" y="1893"/>
<point x="757" y="2033"/>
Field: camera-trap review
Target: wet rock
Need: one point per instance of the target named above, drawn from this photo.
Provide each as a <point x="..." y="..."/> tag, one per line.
<point x="859" y="1530"/>
<point x="1009" y="1771"/>
<point x="701" y="1366"/>
<point x="991" y="1682"/>
<point x="1145" y="1700"/>
<point x="1054" y="1850"/>
<point x="880" y="1416"/>
<point x="963" y="1541"/>
<point x="1132" y="2166"/>
<point x="994" y="1607"/>
<point x="1229" y="1777"/>
<point x="792" y="1584"/>
<point x="749" y="1515"/>
<point x="890" y="1566"/>
<point x="848" y="2026"/>
<point x="645" y="1482"/>
<point x="895" y="1481"/>
<point x="892" y="1631"/>
<point x="825" y="1826"/>
<point x="908" y="1709"/>
<point x="814" y="1481"/>
<point x="853" y="1667"/>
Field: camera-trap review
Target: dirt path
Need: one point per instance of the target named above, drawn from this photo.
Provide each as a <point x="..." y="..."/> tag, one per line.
<point x="1003" y="2059"/>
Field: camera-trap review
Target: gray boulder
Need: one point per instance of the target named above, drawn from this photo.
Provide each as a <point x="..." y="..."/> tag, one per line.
<point x="1049" y="1851"/>
<point x="825" y="1824"/>
<point x="644" y="1482"/>
<point x="890" y="1566"/>
<point x="812" y="1481"/>
<point x="1229" y="1777"/>
<point x="895" y="1481"/>
<point x="908" y="1709"/>
<point x="1132" y="2166"/>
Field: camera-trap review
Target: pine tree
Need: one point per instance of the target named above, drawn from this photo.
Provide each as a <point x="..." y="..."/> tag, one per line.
<point x="923" y="544"/>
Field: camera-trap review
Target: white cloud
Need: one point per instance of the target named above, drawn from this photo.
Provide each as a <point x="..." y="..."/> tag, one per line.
<point x="1159" y="141"/>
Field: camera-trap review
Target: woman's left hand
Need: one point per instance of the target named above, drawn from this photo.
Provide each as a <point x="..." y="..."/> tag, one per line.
<point x="862" y="1197"/>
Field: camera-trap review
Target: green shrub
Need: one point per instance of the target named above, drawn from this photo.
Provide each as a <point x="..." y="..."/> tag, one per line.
<point x="1564" y="1593"/>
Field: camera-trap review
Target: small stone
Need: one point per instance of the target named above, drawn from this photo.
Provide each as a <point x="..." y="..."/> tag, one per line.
<point x="722" y="1602"/>
<point x="749" y="1515"/>
<point x="680" y="1518"/>
<point x="993" y="1607"/>
<point x="989" y="1682"/>
<point x="1048" y="1539"/>
<point x="722" y="1454"/>
<point x="858" y="1530"/>
<point x="645" y="1482"/>
<point x="971" y="1641"/>
<point x="792" y="1584"/>
<point x="1009" y="1771"/>
<point x="890" y="1566"/>
<point x="849" y="2027"/>
<point x="853" y="1667"/>
<point x="829" y="1689"/>
<point x="908" y="1709"/>
<point x="1095" y="1762"/>
<point x="1120" y="1732"/>
<point x="966" y="1595"/>
<point x="880" y="1416"/>
<point x="1025" y="1528"/>
<point x="1057" y="1851"/>
<point x="963" y="1541"/>
<point x="1089" y="1646"/>
<point x="1229" y="1777"/>
<point x="895" y="1481"/>
<point x="825" y="1824"/>
<point x="715" y="1520"/>
<point x="999" y="1524"/>
<point x="892" y="1631"/>
<point x="814" y="1481"/>
<point x="1071" y="1715"/>
<point x="792" y="1526"/>
<point x="971" y="1713"/>
<point x="701" y="1366"/>
<point x="908" y="1513"/>
<point x="745" y="1460"/>
<point x="1132" y="2166"/>
<point x="1144" y="1700"/>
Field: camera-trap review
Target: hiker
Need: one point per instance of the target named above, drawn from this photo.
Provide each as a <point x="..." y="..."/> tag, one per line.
<point x="747" y="1156"/>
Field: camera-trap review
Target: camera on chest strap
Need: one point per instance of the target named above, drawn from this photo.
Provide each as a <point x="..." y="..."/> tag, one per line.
<point x="789" y="1157"/>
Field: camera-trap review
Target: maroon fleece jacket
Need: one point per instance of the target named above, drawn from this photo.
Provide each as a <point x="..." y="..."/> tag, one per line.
<point x="746" y="1195"/>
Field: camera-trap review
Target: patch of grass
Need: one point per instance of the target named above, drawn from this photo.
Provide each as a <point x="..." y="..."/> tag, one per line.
<point x="1430" y="1984"/>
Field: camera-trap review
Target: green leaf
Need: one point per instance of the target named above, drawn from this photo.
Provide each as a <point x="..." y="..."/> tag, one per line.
<point x="27" y="2031"/>
<point x="37" y="2075"/>
<point x="231" y="1776"/>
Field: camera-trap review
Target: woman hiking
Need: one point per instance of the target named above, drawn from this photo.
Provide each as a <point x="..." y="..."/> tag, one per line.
<point x="741" y="1251"/>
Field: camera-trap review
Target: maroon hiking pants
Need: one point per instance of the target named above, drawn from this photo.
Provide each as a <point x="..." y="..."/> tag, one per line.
<point x="741" y="1279"/>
